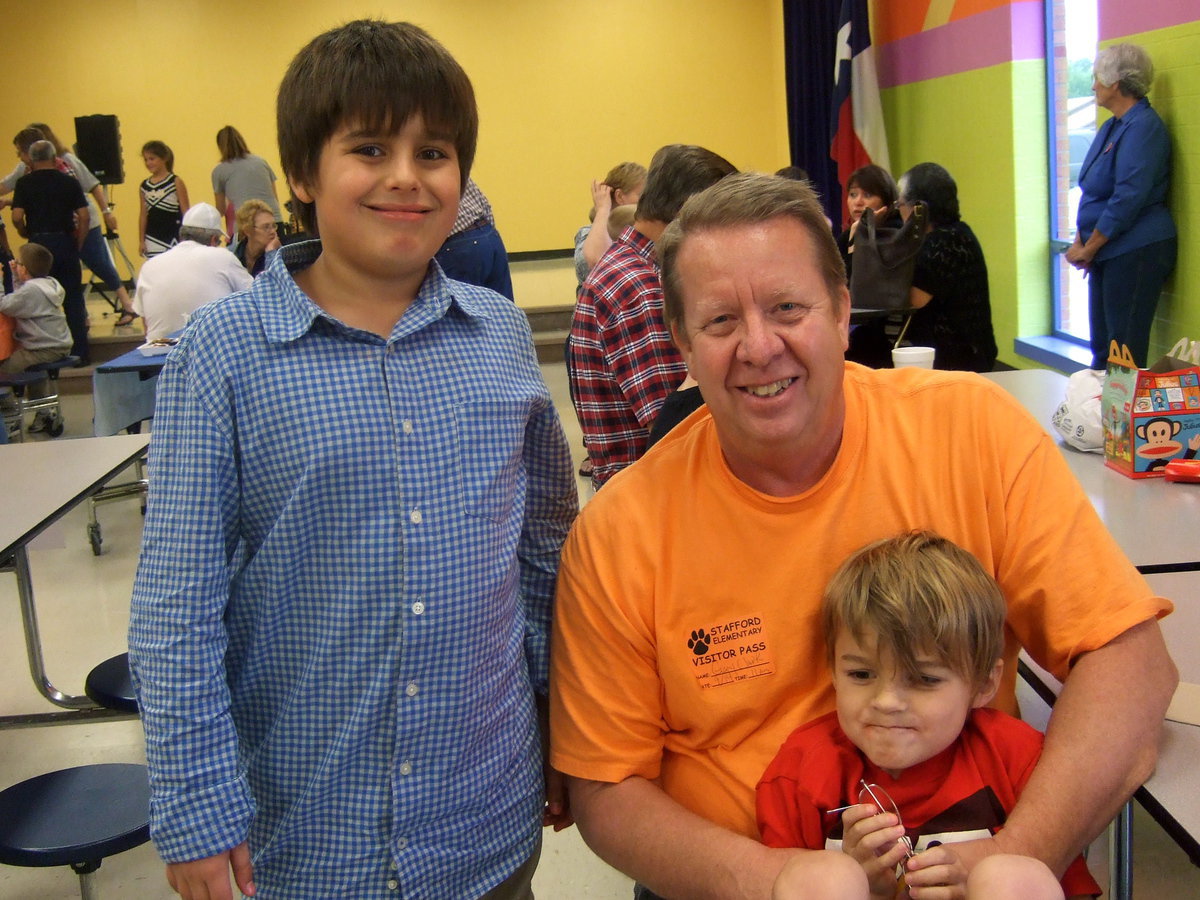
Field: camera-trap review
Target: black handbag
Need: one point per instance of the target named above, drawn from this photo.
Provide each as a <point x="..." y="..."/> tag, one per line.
<point x="884" y="258"/>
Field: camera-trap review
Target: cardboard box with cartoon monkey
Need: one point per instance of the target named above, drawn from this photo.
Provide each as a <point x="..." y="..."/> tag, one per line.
<point x="1151" y="416"/>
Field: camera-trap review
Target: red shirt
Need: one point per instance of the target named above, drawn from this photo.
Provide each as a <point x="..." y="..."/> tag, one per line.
<point x="963" y="793"/>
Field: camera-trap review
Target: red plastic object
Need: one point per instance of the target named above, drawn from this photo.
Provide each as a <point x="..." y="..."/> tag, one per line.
<point x="1183" y="470"/>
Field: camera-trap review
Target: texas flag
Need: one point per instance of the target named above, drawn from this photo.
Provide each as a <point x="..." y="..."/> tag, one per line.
<point x="857" y="118"/>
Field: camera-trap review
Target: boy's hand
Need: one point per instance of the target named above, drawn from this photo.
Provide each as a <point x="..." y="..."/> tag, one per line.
<point x="558" y="805"/>
<point x="872" y="839"/>
<point x="208" y="879"/>
<point x="936" y="874"/>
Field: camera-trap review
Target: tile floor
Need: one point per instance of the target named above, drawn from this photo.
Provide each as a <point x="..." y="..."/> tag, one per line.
<point x="83" y="602"/>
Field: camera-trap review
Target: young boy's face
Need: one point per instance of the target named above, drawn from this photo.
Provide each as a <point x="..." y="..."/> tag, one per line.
<point x="385" y="203"/>
<point x="895" y="721"/>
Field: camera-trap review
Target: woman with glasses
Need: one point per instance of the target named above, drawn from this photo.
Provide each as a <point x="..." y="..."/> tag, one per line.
<point x="257" y="233"/>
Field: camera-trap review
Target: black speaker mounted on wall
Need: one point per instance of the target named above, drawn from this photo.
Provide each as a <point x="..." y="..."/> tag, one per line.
<point x="98" y="144"/>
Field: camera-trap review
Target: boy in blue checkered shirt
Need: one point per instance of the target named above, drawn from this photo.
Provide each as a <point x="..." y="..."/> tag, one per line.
<point x="359" y="489"/>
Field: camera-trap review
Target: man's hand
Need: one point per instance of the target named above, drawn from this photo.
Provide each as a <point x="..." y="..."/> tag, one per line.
<point x="558" y="805"/>
<point x="872" y="839"/>
<point x="208" y="879"/>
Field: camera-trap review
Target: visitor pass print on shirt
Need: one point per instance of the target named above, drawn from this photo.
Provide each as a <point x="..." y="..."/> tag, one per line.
<point x="728" y="652"/>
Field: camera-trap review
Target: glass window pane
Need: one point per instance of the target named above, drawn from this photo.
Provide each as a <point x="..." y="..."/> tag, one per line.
<point x="1073" y="27"/>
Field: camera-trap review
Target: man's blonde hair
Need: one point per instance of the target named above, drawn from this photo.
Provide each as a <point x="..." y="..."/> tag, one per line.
<point x="920" y="595"/>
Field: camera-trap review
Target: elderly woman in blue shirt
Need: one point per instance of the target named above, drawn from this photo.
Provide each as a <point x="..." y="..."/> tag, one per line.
<point x="1125" y="238"/>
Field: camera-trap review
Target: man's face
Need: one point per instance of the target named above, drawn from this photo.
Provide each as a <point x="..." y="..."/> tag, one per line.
<point x="765" y="340"/>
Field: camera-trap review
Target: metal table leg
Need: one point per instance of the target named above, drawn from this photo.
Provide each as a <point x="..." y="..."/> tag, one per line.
<point x="33" y="640"/>
<point x="1120" y="855"/>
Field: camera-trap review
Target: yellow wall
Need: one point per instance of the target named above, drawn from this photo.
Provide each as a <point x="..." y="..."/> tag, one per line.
<point x="566" y="89"/>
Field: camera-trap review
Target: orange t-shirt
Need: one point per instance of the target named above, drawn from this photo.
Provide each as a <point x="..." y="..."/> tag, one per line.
<point x="687" y="643"/>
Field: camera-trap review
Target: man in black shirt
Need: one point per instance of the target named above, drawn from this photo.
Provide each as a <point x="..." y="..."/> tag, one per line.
<point x="48" y="208"/>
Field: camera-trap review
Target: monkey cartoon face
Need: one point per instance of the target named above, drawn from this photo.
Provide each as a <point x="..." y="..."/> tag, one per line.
<point x="1157" y="434"/>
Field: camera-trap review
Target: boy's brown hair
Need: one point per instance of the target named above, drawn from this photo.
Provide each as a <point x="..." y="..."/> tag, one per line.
<point x="37" y="260"/>
<point x="919" y="594"/>
<point x="376" y="75"/>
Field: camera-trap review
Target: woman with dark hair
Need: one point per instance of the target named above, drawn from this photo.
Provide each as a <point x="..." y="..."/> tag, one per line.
<point x="950" y="284"/>
<point x="868" y="187"/>
<point x="241" y="176"/>
<point x="1125" y="238"/>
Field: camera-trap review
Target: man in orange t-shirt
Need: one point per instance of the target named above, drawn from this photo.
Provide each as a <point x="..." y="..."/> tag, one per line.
<point x="686" y="644"/>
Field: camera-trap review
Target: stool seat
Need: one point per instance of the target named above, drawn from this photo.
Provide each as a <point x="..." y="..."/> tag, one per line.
<point x="73" y="816"/>
<point x="22" y="379"/>
<point x="67" y="362"/>
<point x="109" y="685"/>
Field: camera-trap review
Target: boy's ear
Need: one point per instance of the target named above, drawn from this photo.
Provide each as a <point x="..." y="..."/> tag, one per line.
<point x="301" y="191"/>
<point x="988" y="690"/>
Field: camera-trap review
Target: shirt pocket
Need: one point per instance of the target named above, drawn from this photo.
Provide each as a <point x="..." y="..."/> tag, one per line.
<point x="491" y="441"/>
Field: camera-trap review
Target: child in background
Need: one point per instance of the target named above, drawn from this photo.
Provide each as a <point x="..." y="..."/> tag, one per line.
<point x="340" y="623"/>
<point x="914" y="628"/>
<point x="620" y="218"/>
<point x="164" y="201"/>
<point x="40" y="329"/>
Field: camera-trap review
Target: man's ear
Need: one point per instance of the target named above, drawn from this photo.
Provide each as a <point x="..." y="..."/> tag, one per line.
<point x="679" y="339"/>
<point x="988" y="689"/>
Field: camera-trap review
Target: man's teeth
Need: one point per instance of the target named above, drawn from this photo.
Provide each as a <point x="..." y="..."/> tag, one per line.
<point x="770" y="390"/>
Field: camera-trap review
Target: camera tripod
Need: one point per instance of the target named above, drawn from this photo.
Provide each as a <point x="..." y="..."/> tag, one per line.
<point x="116" y="250"/>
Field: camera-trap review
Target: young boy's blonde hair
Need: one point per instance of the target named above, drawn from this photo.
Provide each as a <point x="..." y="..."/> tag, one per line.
<point x="621" y="218"/>
<point x="922" y="596"/>
<point x="37" y="259"/>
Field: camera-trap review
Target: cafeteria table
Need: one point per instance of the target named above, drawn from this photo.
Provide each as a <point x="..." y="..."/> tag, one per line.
<point x="123" y="391"/>
<point x="41" y="482"/>
<point x="1156" y="524"/>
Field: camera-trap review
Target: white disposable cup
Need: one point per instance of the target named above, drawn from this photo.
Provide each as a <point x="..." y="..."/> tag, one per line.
<point x="920" y="357"/>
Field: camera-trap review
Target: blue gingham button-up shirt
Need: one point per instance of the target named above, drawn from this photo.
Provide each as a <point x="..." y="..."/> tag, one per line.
<point x="341" y="612"/>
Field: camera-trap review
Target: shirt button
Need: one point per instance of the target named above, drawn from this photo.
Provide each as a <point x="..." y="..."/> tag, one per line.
<point x="401" y="844"/>
<point x="411" y="689"/>
<point x="406" y="426"/>
<point x="418" y="608"/>
<point x="393" y="884"/>
<point x="415" y="517"/>
<point x="406" y="768"/>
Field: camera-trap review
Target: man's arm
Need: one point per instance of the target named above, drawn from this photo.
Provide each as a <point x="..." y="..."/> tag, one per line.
<point x="18" y="220"/>
<point x="83" y="223"/>
<point x="634" y="826"/>
<point x="1101" y="744"/>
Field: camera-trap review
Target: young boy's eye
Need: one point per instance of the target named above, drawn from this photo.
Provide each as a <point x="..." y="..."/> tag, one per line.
<point x="372" y="150"/>
<point x="927" y="680"/>
<point x="432" y="153"/>
<point x="858" y="674"/>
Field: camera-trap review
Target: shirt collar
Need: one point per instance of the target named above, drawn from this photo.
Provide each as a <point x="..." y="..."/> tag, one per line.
<point x="294" y="315"/>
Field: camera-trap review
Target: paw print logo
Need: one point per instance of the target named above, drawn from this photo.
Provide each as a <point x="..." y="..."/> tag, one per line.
<point x="698" y="642"/>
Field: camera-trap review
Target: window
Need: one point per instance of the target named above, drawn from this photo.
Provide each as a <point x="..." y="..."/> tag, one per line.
<point x="1071" y="29"/>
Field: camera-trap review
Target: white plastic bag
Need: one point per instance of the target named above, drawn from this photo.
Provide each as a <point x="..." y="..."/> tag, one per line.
<point x="1077" y="418"/>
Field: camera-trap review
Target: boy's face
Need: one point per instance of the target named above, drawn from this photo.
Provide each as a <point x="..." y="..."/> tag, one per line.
<point x="895" y="721"/>
<point x="385" y="203"/>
